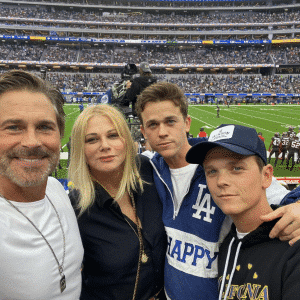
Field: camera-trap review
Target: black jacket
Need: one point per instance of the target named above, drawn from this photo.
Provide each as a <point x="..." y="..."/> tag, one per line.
<point x="137" y="86"/>
<point x="266" y="268"/>
<point x="111" y="248"/>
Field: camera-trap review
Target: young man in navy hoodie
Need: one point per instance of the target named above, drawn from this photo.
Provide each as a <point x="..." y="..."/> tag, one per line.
<point x="250" y="265"/>
<point x="193" y="222"/>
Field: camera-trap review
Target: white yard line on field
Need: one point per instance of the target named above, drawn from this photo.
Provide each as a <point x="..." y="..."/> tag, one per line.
<point x="234" y="121"/>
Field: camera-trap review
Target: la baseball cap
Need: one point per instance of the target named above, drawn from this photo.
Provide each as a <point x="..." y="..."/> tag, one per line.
<point x="144" y="66"/>
<point x="236" y="138"/>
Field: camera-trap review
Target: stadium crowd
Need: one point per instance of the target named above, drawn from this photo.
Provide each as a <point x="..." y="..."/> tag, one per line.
<point x="154" y="55"/>
<point x="146" y="17"/>
<point x="238" y="84"/>
<point x="92" y="82"/>
<point x="160" y="4"/>
<point x="81" y="82"/>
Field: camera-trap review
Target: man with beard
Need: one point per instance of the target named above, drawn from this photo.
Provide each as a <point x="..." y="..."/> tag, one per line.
<point x="41" y="250"/>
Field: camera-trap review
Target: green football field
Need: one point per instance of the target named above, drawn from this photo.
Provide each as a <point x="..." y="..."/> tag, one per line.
<point x="267" y="119"/>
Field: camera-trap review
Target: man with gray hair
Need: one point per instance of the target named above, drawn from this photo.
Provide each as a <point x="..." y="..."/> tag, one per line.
<point x="41" y="249"/>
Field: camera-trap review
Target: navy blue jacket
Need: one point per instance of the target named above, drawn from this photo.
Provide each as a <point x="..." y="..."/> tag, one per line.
<point x="194" y="234"/>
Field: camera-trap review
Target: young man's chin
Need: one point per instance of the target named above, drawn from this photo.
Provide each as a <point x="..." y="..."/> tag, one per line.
<point x="166" y="152"/>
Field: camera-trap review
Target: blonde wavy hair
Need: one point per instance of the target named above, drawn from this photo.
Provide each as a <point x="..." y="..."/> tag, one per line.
<point x="79" y="172"/>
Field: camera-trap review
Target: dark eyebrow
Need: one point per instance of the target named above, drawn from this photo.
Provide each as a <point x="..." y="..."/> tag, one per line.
<point x="165" y="119"/>
<point x="12" y="121"/>
<point x="239" y="160"/>
<point x="171" y="117"/>
<point x="20" y="121"/>
<point x="47" y="122"/>
<point x="150" y="121"/>
<point x="207" y="167"/>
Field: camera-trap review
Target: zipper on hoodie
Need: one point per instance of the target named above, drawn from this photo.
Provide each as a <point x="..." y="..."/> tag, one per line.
<point x="176" y="211"/>
<point x="158" y="174"/>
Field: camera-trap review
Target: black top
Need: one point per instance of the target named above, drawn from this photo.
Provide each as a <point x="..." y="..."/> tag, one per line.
<point x="111" y="247"/>
<point x="266" y="268"/>
<point x="137" y="86"/>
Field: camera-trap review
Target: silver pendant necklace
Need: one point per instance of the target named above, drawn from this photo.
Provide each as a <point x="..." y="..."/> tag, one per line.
<point x="60" y="266"/>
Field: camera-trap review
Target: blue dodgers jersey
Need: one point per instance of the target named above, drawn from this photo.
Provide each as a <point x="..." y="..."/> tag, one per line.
<point x="193" y="237"/>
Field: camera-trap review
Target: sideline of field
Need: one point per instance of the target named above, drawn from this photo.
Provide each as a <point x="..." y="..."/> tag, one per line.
<point x="265" y="118"/>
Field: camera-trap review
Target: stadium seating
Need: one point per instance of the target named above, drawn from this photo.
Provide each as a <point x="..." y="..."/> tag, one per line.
<point x="205" y="46"/>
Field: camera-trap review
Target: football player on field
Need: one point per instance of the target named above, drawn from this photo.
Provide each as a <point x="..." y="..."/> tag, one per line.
<point x="284" y="145"/>
<point x="294" y="151"/>
<point x="290" y="131"/>
<point x="275" y="142"/>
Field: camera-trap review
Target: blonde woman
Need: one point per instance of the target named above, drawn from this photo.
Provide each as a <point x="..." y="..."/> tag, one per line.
<point x="119" y="212"/>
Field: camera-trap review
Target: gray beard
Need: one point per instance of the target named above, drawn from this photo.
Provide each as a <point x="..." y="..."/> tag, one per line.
<point x="30" y="176"/>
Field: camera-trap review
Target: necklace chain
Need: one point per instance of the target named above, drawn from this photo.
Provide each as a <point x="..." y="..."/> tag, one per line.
<point x="143" y="258"/>
<point x="60" y="266"/>
<point x="144" y="255"/>
<point x="141" y="252"/>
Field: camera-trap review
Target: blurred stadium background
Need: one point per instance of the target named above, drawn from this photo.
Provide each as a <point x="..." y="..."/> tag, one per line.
<point x="245" y="52"/>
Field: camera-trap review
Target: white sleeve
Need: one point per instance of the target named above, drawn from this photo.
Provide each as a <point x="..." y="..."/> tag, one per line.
<point x="276" y="192"/>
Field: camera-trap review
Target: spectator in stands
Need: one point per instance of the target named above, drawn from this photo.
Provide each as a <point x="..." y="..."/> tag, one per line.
<point x="139" y="83"/>
<point x="119" y="210"/>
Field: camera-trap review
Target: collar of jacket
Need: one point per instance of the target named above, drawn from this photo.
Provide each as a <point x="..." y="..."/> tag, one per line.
<point x="164" y="170"/>
<point x="103" y="198"/>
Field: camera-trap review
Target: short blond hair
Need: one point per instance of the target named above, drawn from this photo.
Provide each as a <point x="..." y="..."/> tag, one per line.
<point x="79" y="172"/>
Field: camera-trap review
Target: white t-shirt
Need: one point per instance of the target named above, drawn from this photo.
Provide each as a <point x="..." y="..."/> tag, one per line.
<point x="181" y="180"/>
<point x="241" y="235"/>
<point x="28" y="269"/>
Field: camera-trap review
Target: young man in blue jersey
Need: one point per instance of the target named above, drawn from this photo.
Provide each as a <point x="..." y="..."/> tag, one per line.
<point x="250" y="264"/>
<point x="193" y="222"/>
